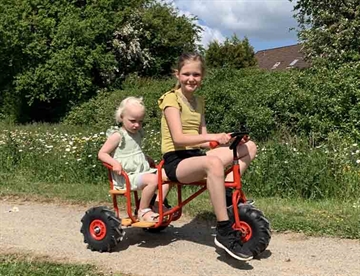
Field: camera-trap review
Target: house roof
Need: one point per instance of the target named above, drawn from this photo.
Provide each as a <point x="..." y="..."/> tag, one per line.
<point x="281" y="58"/>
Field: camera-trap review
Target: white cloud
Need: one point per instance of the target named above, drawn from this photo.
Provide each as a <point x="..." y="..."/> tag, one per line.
<point x="261" y="20"/>
<point x="210" y="34"/>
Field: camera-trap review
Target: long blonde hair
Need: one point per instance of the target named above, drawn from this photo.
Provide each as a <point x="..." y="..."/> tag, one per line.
<point x="189" y="57"/>
<point x="124" y="104"/>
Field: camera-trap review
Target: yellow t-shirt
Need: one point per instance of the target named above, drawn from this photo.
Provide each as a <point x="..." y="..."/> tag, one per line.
<point x="190" y="119"/>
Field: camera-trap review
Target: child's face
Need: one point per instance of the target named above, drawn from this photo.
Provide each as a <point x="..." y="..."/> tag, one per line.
<point x="190" y="76"/>
<point x="133" y="117"/>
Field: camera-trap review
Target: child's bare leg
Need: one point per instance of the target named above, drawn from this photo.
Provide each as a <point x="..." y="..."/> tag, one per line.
<point x="149" y="187"/>
<point x="165" y="189"/>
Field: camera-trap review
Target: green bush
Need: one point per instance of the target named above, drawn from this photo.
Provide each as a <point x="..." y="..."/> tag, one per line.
<point x="99" y="112"/>
<point x="314" y="102"/>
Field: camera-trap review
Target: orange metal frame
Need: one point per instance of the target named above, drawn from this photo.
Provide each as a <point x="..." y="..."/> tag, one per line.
<point x="175" y="212"/>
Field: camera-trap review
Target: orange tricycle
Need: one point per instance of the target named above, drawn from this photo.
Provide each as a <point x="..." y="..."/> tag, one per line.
<point x="103" y="228"/>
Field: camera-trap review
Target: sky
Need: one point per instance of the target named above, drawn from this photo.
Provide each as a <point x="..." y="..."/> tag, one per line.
<point x="266" y="23"/>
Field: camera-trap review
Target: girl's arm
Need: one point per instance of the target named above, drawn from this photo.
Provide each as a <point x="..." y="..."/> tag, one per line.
<point x="203" y="130"/>
<point x="172" y="116"/>
<point x="109" y="146"/>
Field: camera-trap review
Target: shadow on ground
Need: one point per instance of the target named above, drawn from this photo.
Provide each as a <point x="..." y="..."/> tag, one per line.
<point x="197" y="230"/>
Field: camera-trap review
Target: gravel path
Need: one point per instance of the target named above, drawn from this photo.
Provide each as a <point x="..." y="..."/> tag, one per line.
<point x="185" y="248"/>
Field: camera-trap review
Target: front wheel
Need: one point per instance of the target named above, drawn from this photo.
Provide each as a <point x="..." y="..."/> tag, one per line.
<point x="101" y="229"/>
<point x="254" y="227"/>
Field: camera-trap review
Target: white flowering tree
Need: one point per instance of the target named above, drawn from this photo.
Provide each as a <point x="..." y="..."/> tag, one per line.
<point x="329" y="29"/>
<point x="57" y="54"/>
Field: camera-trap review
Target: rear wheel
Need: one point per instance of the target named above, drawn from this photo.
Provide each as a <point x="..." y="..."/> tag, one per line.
<point x="254" y="228"/>
<point x="101" y="229"/>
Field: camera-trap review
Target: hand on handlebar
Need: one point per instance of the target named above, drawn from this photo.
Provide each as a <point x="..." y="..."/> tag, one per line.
<point x="244" y="139"/>
<point x="220" y="139"/>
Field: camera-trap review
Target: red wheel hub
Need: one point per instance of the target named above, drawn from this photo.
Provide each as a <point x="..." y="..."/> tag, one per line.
<point x="246" y="231"/>
<point x="97" y="229"/>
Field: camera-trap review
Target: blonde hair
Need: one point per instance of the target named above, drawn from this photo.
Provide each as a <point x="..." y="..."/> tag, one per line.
<point x="124" y="104"/>
<point x="189" y="57"/>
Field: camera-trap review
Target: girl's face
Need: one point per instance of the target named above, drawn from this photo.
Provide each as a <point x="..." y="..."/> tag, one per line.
<point x="190" y="76"/>
<point x="133" y="117"/>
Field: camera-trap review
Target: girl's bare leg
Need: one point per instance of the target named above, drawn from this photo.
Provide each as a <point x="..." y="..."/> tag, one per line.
<point x="211" y="167"/>
<point x="246" y="152"/>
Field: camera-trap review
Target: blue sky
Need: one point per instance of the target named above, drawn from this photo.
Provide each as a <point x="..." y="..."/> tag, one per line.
<point x="266" y="23"/>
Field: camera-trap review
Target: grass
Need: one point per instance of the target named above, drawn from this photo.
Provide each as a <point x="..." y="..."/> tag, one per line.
<point x="25" y="265"/>
<point x="319" y="218"/>
<point x="299" y="186"/>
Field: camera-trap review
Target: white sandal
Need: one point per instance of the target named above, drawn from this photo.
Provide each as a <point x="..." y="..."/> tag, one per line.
<point x="152" y="218"/>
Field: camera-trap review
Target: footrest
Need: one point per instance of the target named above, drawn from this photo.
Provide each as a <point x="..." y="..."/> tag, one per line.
<point x="126" y="221"/>
<point x="143" y="224"/>
<point x="117" y="192"/>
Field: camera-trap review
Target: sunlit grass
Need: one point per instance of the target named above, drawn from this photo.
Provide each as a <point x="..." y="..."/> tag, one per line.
<point x="24" y="265"/>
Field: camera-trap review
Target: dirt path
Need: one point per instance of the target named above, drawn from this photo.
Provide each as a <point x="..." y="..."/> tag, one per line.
<point x="186" y="248"/>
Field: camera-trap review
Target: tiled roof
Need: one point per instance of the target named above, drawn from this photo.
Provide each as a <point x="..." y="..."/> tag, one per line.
<point x="281" y="58"/>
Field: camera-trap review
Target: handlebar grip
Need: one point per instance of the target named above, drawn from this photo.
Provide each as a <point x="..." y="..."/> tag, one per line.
<point x="213" y="144"/>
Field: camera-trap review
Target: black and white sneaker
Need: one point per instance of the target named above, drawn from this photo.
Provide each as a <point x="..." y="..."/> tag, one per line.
<point x="231" y="243"/>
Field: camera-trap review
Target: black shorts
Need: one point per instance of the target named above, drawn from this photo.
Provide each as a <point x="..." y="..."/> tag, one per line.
<point x="173" y="158"/>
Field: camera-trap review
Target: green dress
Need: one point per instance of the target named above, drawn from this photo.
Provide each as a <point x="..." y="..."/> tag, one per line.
<point x="130" y="156"/>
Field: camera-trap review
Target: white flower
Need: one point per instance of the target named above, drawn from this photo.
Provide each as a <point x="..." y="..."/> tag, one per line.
<point x="355" y="145"/>
<point x="79" y="159"/>
<point x="67" y="149"/>
<point x="89" y="155"/>
<point x="357" y="151"/>
<point x="93" y="166"/>
<point x="20" y="150"/>
<point x="358" y="161"/>
<point x="294" y="149"/>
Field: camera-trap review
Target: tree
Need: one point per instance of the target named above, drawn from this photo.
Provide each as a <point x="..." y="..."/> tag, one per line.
<point x="57" y="54"/>
<point x="329" y="29"/>
<point x="232" y="53"/>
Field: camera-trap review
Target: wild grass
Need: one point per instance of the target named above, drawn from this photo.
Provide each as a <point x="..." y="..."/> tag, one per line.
<point x="300" y="186"/>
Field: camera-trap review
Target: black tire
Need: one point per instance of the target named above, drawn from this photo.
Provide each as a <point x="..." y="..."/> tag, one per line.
<point x="101" y="229"/>
<point x="250" y="217"/>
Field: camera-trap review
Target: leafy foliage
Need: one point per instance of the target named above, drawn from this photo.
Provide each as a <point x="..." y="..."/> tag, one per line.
<point x="56" y="54"/>
<point x="233" y="53"/>
<point x="314" y="102"/>
<point x="329" y="29"/>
